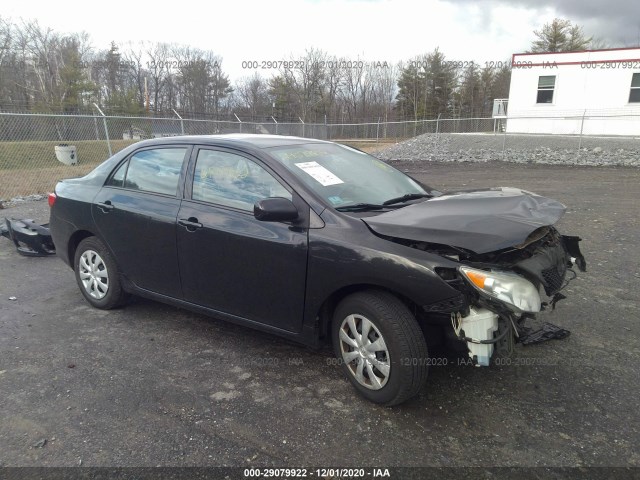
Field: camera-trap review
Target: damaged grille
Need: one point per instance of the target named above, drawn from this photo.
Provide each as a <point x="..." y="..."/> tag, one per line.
<point x="454" y="304"/>
<point x="553" y="278"/>
<point x="547" y="264"/>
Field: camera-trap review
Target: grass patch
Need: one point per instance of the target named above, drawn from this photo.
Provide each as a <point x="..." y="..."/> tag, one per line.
<point x="32" y="167"/>
<point x="34" y="155"/>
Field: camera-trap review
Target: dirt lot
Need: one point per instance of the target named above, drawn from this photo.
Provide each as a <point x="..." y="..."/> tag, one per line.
<point x="152" y="385"/>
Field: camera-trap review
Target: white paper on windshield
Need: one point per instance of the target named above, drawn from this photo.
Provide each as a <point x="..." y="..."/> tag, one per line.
<point x="319" y="173"/>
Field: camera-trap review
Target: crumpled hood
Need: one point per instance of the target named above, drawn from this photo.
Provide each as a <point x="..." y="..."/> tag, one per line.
<point x="480" y="220"/>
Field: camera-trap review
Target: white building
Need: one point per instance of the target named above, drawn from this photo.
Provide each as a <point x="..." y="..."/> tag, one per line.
<point x="594" y="92"/>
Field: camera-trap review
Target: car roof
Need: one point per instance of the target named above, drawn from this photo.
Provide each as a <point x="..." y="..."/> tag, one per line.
<point x="235" y="139"/>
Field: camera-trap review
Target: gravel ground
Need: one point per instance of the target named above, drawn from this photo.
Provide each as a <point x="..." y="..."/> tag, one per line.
<point x="151" y="385"/>
<point x="544" y="149"/>
<point x="22" y="199"/>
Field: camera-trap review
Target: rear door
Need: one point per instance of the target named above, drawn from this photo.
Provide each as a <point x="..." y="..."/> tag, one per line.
<point x="231" y="262"/>
<point x="135" y="213"/>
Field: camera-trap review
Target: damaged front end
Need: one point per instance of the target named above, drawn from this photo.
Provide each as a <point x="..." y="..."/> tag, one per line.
<point x="507" y="287"/>
<point x="501" y="290"/>
<point x="509" y="263"/>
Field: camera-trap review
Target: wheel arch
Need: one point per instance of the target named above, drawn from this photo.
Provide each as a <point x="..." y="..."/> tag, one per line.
<point x="74" y="241"/>
<point x="329" y="305"/>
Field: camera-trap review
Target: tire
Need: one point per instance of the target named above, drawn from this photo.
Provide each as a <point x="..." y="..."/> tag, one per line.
<point x="395" y="369"/>
<point x="97" y="275"/>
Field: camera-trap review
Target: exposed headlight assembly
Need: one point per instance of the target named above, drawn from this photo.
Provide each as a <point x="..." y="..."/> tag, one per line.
<point x="519" y="294"/>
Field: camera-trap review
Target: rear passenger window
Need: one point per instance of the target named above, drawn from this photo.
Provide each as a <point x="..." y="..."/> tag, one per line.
<point x="156" y="170"/>
<point x="117" y="179"/>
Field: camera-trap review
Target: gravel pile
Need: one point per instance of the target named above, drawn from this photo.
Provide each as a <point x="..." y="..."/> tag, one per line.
<point x="544" y="149"/>
<point x="17" y="200"/>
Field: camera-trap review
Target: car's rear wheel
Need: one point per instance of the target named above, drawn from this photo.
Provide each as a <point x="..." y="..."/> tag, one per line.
<point x="97" y="275"/>
<point x="380" y="347"/>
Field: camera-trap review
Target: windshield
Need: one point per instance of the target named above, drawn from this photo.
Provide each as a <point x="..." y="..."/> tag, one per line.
<point x="344" y="176"/>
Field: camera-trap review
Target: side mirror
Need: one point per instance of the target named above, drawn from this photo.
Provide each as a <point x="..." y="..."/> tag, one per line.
<point x="275" y="209"/>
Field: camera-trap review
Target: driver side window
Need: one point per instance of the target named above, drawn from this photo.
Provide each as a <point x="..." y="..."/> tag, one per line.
<point x="232" y="180"/>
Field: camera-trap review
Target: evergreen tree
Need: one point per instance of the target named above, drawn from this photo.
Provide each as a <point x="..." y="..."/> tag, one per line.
<point x="560" y="36"/>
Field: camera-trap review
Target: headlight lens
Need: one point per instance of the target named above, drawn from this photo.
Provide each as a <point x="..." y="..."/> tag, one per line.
<point x="518" y="293"/>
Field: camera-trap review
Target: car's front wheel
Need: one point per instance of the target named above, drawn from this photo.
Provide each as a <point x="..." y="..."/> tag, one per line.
<point x="97" y="274"/>
<point x="380" y="346"/>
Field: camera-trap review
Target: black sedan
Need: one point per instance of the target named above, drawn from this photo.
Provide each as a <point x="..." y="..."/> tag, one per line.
<point x="317" y="242"/>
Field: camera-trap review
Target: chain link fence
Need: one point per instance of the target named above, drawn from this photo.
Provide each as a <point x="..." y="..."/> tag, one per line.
<point x="31" y="145"/>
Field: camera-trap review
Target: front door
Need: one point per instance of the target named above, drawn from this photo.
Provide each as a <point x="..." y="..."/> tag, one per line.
<point x="231" y="262"/>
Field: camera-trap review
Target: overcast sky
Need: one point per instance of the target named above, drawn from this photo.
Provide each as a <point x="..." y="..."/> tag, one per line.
<point x="374" y="30"/>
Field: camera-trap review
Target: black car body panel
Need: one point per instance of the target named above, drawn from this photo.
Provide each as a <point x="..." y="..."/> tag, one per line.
<point x="215" y="261"/>
<point x="337" y="261"/>
<point x="480" y="221"/>
<point x="72" y="215"/>
<point x="140" y="228"/>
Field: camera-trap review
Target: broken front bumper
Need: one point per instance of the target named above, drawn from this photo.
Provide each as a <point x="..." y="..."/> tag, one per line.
<point x="491" y="326"/>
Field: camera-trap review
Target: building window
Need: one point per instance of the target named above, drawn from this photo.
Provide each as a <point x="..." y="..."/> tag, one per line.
<point x="634" y="96"/>
<point x="546" y="85"/>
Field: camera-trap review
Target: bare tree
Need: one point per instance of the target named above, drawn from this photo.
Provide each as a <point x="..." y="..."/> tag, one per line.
<point x="252" y="94"/>
<point x="219" y="85"/>
<point x="7" y="60"/>
<point x="356" y="88"/>
<point x="333" y="81"/>
<point x="134" y="57"/>
<point x="305" y="77"/>
<point x="158" y="71"/>
<point x="383" y="89"/>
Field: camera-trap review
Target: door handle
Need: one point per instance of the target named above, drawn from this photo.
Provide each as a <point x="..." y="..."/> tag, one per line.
<point x="106" y="206"/>
<point x="191" y="223"/>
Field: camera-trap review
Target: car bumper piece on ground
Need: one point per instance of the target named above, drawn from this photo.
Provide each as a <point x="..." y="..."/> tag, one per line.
<point x="30" y="238"/>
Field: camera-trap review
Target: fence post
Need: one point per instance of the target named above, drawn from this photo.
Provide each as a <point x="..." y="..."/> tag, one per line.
<point x="326" y="128"/>
<point x="95" y="124"/>
<point x="274" y="121"/>
<point x="239" y="121"/>
<point x="581" y="127"/>
<point x="378" y="131"/>
<point x="302" y="121"/>
<point x="181" y="122"/>
<point x="106" y="130"/>
<point x="504" y="143"/>
<point x="438" y="126"/>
